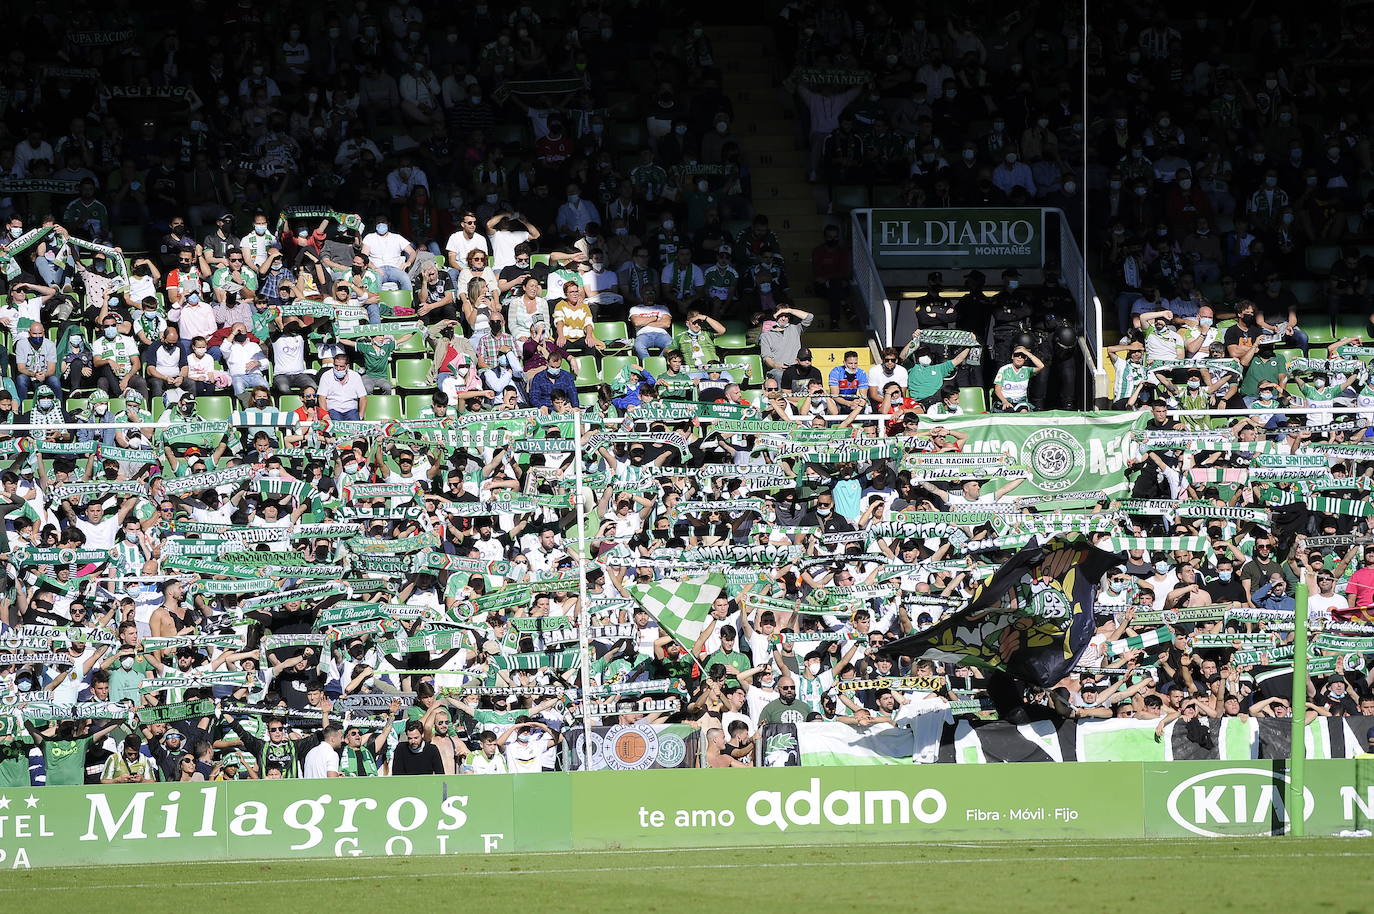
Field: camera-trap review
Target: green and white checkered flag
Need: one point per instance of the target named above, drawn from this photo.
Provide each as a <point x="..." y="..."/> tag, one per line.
<point x="680" y="607"/>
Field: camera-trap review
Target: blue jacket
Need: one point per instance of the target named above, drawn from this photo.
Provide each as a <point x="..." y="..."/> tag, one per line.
<point x="544" y="384"/>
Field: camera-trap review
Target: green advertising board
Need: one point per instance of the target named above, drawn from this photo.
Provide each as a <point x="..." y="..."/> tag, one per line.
<point x="946" y="238"/>
<point x="417" y="816"/>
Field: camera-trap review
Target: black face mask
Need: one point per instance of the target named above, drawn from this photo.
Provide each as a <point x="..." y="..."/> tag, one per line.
<point x="261" y="402"/>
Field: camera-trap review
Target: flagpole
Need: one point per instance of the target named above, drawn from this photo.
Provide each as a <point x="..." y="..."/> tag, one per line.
<point x="1297" y="755"/>
<point x="585" y="621"/>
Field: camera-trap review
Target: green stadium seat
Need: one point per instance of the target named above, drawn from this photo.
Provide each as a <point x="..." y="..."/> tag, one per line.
<point x="586" y="369"/>
<point x="753" y="397"/>
<point x="611" y="331"/>
<point x="611" y="365"/>
<point x="588" y="398"/>
<point x="1318" y="329"/>
<point x="414" y="404"/>
<point x="413" y="374"/>
<point x="1352" y="325"/>
<point x="395" y="298"/>
<point x="537" y="260"/>
<point x="973" y="400"/>
<point x="414" y="344"/>
<point x="1320" y="257"/>
<point x="656" y="365"/>
<point x="732" y="341"/>
<point x="289" y="403"/>
<point x="382" y="407"/>
<point x="753" y="370"/>
<point x="214" y="408"/>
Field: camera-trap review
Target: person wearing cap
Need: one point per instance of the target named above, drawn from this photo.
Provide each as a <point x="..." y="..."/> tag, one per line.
<point x="780" y="342"/>
<point x="216" y="245"/>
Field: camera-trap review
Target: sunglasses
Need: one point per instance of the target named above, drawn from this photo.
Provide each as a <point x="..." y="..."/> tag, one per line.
<point x="276" y="729"/>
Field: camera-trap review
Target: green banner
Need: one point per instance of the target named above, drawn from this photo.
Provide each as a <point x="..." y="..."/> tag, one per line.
<point x="1064" y="451"/>
<point x="932" y="238"/>
<point x="681" y="808"/>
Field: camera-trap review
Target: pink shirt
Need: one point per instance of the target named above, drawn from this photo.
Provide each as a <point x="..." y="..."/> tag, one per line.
<point x="1360" y="587"/>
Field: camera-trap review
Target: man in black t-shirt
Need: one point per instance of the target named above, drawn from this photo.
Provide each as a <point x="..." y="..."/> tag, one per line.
<point x="798" y="377"/>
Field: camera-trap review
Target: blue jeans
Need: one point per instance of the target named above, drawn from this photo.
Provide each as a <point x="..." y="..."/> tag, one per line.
<point x="242" y="382"/>
<point x="398" y="276"/>
<point x="347" y="415"/>
<point x="1297" y="338"/>
<point x="23" y="384"/>
<point x="374" y="313"/>
<point x="651" y="339"/>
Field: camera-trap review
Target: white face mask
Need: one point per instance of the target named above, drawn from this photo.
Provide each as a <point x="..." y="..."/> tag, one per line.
<point x="924" y="360"/>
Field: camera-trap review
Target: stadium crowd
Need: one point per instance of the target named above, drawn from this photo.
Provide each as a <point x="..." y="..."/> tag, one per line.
<point x="293" y="491"/>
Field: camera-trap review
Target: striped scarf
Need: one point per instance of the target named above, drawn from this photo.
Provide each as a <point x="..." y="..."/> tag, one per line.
<point x="1148" y="640"/>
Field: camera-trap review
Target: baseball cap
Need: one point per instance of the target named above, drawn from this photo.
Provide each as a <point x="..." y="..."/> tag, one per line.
<point x="803" y="354"/>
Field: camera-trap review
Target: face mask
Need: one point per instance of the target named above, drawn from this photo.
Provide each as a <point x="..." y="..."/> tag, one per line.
<point x="260" y="230"/>
<point x="924" y="360"/>
<point x="340" y="373"/>
<point x="45" y="402"/>
<point x="998" y="126"/>
<point x="101" y="408"/>
<point x="16" y="231"/>
<point x="703" y="186"/>
<point x="1185" y="183"/>
<point x="1266" y="395"/>
<point x="824" y="512"/>
<point x="951" y="93"/>
<point x="1162" y="567"/>
<point x="680" y="130"/>
<point x="1011" y="158"/>
<point x="383" y="228"/>
<point x="554" y="372"/>
<point x="1204" y="322"/>
<point x="1118" y="586"/>
<point x="127" y="663"/>
<point x="1043" y="123"/>
<point x="111" y="333"/>
<point x="1141" y="191"/>
<point x="1070" y="187"/>
<point x="1271" y="181"/>
<point x="668" y="225"/>
<point x="574" y="199"/>
<point x="1115" y="185"/>
<point x="1013" y="285"/>
<point x="968" y="155"/>
<point x="1223" y="576"/>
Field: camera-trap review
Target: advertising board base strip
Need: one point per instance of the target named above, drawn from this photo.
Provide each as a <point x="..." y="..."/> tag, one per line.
<point x="685" y="808"/>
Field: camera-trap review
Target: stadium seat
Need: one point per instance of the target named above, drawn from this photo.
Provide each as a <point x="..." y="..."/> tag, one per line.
<point x="415" y="404"/>
<point x="611" y="332"/>
<point x="587" y="371"/>
<point x="289" y="403"/>
<point x="588" y="398"/>
<point x="414" y="344"/>
<point x="732" y="341"/>
<point x="1318" y="329"/>
<point x="395" y="298"/>
<point x="1320" y="257"/>
<point x="382" y="407"/>
<point x="973" y="400"/>
<point x="1352" y="325"/>
<point x="656" y="365"/>
<point x="753" y="397"/>
<point x="611" y="365"/>
<point x="413" y="374"/>
<point x="753" y="369"/>
<point x="214" y="408"/>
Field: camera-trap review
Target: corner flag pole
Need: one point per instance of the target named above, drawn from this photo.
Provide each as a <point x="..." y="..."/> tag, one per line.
<point x="1297" y="755"/>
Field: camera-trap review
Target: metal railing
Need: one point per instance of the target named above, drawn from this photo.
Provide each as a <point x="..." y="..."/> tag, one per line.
<point x="868" y="280"/>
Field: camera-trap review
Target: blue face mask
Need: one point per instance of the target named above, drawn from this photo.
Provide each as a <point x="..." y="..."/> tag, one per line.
<point x="383" y="228"/>
<point x="1223" y="576"/>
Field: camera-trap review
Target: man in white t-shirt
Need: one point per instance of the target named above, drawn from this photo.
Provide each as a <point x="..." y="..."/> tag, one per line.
<point x="464" y="240"/>
<point x="390" y="254"/>
<point x="323" y="760"/>
<point x="341" y="390"/>
<point x="1324" y="598"/>
<point x="885" y="373"/>
<point x="489" y="760"/>
<point x="98" y="529"/>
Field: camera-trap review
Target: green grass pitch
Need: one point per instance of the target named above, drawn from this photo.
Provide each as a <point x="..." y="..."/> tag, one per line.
<point x="1220" y="875"/>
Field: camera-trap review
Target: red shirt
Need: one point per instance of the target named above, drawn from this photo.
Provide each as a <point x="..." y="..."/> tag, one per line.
<point x="1361" y="587"/>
